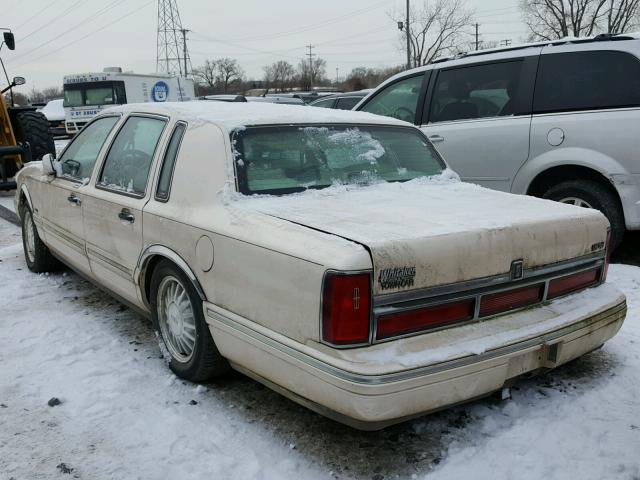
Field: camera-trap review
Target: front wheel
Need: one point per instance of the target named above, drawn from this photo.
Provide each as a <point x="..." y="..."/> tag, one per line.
<point x="590" y="194"/>
<point x="36" y="253"/>
<point x="178" y="319"/>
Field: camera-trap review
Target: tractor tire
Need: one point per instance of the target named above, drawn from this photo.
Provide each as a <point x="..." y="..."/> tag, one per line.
<point x="33" y="128"/>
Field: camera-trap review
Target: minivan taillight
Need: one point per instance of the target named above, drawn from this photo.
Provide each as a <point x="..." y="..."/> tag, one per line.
<point x="346" y="308"/>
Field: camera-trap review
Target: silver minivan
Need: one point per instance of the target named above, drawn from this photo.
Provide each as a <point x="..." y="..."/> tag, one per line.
<point x="559" y="120"/>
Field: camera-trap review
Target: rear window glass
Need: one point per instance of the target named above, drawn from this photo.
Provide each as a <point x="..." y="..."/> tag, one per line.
<point x="280" y="160"/>
<point x="587" y="81"/>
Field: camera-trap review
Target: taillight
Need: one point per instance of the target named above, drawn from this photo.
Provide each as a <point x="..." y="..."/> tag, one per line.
<point x="510" y="300"/>
<point x="571" y="283"/>
<point x="425" y="318"/>
<point x="346" y="308"/>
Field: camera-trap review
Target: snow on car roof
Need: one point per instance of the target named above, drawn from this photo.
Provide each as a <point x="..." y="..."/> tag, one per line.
<point x="232" y="116"/>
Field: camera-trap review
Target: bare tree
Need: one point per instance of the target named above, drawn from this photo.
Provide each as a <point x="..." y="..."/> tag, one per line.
<point x="218" y="75"/>
<point x="312" y="73"/>
<point x="228" y="72"/>
<point x="279" y="75"/>
<point x="436" y="28"/>
<point x="554" y="19"/>
<point x="363" y="77"/>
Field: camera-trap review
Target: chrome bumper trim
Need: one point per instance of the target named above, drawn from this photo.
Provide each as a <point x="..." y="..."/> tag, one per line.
<point x="610" y="315"/>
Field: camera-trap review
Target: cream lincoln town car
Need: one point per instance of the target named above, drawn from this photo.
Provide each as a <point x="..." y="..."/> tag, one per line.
<point x="329" y="255"/>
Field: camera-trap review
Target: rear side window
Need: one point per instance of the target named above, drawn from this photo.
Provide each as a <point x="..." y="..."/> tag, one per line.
<point x="587" y="81"/>
<point x="398" y="100"/>
<point x="128" y="162"/>
<point x="169" y="162"/>
<point x="481" y="91"/>
<point x="347" y="103"/>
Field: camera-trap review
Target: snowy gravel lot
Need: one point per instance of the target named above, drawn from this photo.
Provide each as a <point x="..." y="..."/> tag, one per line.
<point x="123" y="415"/>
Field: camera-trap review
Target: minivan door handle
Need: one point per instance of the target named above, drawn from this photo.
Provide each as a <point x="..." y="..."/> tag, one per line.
<point x="75" y="200"/>
<point x="436" y="138"/>
<point x="126" y="216"/>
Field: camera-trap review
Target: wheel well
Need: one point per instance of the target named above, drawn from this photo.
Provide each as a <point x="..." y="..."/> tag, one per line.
<point x="150" y="265"/>
<point x="556" y="175"/>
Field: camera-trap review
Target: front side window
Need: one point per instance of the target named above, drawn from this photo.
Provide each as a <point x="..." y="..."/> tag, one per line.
<point x="347" y="103"/>
<point x="78" y="159"/>
<point x="480" y="91"/>
<point x="287" y="159"/>
<point x="328" y="103"/>
<point x="398" y="100"/>
<point x="128" y="162"/>
<point x="587" y="81"/>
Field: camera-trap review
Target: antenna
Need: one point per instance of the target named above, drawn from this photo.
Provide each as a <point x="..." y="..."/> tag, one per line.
<point x="172" y="54"/>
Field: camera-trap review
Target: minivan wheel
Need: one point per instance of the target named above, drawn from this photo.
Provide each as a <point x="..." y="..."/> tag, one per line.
<point x="36" y="253"/>
<point x="178" y="319"/>
<point x="591" y="194"/>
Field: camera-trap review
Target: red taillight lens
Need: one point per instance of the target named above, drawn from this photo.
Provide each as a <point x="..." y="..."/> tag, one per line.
<point x="346" y="306"/>
<point x="424" y="318"/>
<point x="571" y="283"/>
<point x="510" y="300"/>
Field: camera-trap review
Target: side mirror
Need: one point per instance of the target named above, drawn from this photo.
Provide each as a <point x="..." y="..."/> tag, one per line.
<point x="9" y="40"/>
<point x="19" y="81"/>
<point x="48" y="166"/>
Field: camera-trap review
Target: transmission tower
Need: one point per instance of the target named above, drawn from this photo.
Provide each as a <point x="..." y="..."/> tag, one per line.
<point x="172" y="54"/>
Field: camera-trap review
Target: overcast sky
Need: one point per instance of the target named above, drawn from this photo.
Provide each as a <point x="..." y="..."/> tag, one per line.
<point x="59" y="37"/>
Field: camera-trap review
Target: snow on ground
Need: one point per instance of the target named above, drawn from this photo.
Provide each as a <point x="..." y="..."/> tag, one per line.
<point x="123" y="415"/>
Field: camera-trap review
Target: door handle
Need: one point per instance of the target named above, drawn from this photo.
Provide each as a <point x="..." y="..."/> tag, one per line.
<point x="436" y="138"/>
<point x="126" y="216"/>
<point x="75" y="200"/>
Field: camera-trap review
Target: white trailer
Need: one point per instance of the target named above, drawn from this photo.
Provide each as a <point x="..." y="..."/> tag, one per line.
<point x="86" y="94"/>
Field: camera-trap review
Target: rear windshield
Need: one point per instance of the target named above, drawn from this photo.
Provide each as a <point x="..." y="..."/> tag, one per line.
<point x="287" y="159"/>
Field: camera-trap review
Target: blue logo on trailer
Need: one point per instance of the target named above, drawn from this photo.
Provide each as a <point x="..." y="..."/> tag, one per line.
<point x="160" y="92"/>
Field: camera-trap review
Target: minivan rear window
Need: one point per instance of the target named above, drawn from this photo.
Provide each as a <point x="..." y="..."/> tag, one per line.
<point x="587" y="81"/>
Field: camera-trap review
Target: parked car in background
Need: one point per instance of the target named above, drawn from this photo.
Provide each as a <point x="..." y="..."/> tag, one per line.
<point x="341" y="101"/>
<point x="54" y="111"/>
<point x="286" y="100"/>
<point x="330" y="255"/>
<point x="557" y="120"/>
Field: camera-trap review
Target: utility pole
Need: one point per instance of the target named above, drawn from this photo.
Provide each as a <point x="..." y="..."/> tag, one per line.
<point x="184" y="49"/>
<point x="311" y="55"/>
<point x="477" y="37"/>
<point x="337" y="75"/>
<point x="408" y="37"/>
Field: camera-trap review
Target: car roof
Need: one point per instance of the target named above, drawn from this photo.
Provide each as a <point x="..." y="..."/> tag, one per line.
<point x="232" y="116"/>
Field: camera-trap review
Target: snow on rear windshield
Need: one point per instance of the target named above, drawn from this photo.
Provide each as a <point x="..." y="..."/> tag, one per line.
<point x="280" y="160"/>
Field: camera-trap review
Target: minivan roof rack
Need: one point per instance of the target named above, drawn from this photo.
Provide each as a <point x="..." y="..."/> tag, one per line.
<point x="603" y="37"/>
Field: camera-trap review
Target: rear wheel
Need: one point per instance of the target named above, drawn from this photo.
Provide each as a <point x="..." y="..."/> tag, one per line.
<point x="591" y="194"/>
<point x="178" y="319"/>
<point x="33" y="128"/>
<point x="36" y="253"/>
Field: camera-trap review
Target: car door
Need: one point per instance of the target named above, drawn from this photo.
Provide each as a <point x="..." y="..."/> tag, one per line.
<point x="113" y="209"/>
<point x="62" y="206"/>
<point x="479" y="117"/>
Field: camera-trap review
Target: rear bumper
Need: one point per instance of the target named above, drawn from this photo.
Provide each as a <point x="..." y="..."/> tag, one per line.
<point x="354" y="394"/>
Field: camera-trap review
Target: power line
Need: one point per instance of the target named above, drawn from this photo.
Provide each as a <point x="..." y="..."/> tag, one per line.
<point x="306" y="28"/>
<point x="52" y="21"/>
<point x="69" y="30"/>
<point x="73" y="42"/>
<point x="37" y="14"/>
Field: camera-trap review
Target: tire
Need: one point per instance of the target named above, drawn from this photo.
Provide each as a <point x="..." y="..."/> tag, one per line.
<point x="37" y="255"/>
<point x="33" y="128"/>
<point x="597" y="196"/>
<point x="195" y="360"/>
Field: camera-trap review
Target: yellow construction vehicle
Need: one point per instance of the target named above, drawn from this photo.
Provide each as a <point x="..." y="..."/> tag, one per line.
<point x="24" y="133"/>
